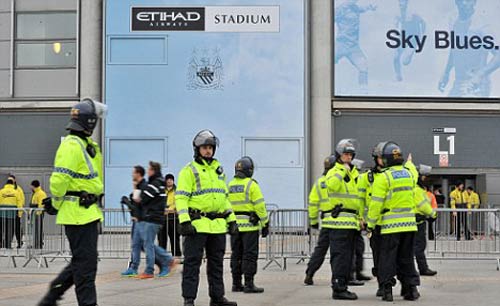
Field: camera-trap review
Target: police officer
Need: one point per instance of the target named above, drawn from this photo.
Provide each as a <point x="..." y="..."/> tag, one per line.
<point x="318" y="201"/>
<point x="341" y="217"/>
<point x="76" y="186"/>
<point x="205" y="216"/>
<point x="393" y="203"/>
<point x="365" y="183"/>
<point x="424" y="211"/>
<point x="251" y="214"/>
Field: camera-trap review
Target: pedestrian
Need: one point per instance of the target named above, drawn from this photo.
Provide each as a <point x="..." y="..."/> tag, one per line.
<point x="170" y="228"/>
<point x="392" y="206"/>
<point x="424" y="212"/>
<point x="205" y="216"/>
<point x="319" y="201"/>
<point x="9" y="199"/>
<point x="342" y="217"/>
<point x="251" y="214"/>
<point x="18" y="229"/>
<point x="139" y="183"/>
<point x="459" y="200"/>
<point x="37" y="202"/>
<point x="76" y="185"/>
<point x="151" y="201"/>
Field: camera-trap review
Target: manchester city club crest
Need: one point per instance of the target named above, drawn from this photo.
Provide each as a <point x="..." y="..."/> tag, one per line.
<point x="205" y="70"/>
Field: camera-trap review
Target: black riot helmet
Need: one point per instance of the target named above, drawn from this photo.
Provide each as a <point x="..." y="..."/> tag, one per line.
<point x="84" y="116"/>
<point x="390" y="152"/>
<point x="329" y="163"/>
<point x="346" y="146"/>
<point x="244" y="167"/>
<point x="204" y="138"/>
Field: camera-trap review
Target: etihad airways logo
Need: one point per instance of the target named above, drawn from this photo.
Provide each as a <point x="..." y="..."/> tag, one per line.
<point x="208" y="19"/>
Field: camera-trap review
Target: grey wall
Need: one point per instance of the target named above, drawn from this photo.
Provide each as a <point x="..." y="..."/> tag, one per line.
<point x="476" y="142"/>
<point x="30" y="140"/>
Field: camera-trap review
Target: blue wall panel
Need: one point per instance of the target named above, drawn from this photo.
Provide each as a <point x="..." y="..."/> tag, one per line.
<point x="258" y="92"/>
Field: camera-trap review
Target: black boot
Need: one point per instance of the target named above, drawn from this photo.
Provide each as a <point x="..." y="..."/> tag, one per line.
<point x="387" y="293"/>
<point x="355" y="282"/>
<point x="222" y="302"/>
<point x="188" y="302"/>
<point x="308" y="281"/>
<point x="404" y="289"/>
<point x="427" y="272"/>
<point x="250" y="286"/>
<point x="344" y="295"/>
<point x="380" y="292"/>
<point x="412" y="294"/>
<point x="237" y="285"/>
<point x="360" y="276"/>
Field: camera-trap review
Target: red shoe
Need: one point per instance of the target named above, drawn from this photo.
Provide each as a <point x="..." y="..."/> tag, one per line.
<point x="145" y="276"/>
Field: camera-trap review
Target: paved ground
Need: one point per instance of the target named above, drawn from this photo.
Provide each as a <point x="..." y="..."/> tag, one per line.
<point x="458" y="283"/>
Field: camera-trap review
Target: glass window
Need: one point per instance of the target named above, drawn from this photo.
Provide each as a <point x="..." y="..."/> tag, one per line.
<point x="47" y="54"/>
<point x="46" y="25"/>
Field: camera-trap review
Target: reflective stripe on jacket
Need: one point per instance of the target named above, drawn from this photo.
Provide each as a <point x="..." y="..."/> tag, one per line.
<point x="75" y="170"/>
<point x="342" y="190"/>
<point x="246" y="197"/>
<point x="201" y="188"/>
<point x="393" y="201"/>
<point x="318" y="200"/>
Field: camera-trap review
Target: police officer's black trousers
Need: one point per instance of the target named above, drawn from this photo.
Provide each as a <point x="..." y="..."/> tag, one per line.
<point x="318" y="256"/>
<point x="215" y="247"/>
<point x="82" y="269"/>
<point x="375" y="241"/>
<point x="420" y="245"/>
<point x="359" y="249"/>
<point x="341" y="251"/>
<point x="396" y="257"/>
<point x="245" y="254"/>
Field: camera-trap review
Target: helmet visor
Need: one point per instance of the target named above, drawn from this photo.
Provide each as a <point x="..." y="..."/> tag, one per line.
<point x="101" y="109"/>
<point x="206" y="138"/>
<point x="424" y="170"/>
<point x="347" y="146"/>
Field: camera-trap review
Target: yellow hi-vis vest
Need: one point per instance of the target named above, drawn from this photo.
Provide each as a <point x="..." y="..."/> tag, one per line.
<point x="318" y="200"/>
<point x="342" y="190"/>
<point x="393" y="201"/>
<point x="201" y="188"/>
<point x="246" y="197"/>
<point x="423" y="204"/>
<point x="76" y="171"/>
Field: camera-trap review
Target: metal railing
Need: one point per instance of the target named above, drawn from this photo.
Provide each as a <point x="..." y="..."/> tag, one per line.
<point x="458" y="234"/>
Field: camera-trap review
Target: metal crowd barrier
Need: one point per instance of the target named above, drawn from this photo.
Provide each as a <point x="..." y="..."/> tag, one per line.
<point x="479" y="236"/>
<point x="290" y="238"/>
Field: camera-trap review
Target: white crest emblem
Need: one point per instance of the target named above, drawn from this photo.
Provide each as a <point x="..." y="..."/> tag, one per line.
<point x="205" y="70"/>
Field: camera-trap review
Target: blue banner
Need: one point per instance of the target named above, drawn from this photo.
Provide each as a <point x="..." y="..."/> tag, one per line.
<point x="417" y="48"/>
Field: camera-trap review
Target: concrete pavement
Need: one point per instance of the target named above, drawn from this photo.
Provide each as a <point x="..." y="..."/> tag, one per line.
<point x="458" y="283"/>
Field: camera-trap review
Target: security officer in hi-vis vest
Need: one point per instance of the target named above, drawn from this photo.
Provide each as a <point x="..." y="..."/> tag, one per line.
<point x="341" y="217"/>
<point x="205" y="216"/>
<point x="77" y="188"/>
<point x="392" y="206"/>
<point x="251" y="215"/>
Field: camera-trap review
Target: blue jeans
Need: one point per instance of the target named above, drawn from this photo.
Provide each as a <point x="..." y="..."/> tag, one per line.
<point x="143" y="237"/>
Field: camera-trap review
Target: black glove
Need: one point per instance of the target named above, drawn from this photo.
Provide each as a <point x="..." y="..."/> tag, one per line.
<point x="233" y="228"/>
<point x="47" y="205"/>
<point x="315" y="226"/>
<point x="187" y="229"/>
<point x="126" y="201"/>
<point x="265" y="231"/>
